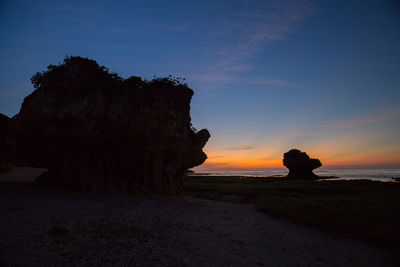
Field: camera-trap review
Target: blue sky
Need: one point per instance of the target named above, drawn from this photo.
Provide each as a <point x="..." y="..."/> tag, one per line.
<point x="321" y="76"/>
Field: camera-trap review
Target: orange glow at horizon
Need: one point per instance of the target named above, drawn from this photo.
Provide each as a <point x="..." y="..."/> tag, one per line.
<point x="372" y="140"/>
<point x="221" y="160"/>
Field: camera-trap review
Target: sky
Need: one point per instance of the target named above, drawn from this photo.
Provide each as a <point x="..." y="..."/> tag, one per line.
<point x="268" y="76"/>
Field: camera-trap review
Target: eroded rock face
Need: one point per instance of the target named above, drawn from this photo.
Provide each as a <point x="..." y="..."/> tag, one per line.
<point x="94" y="130"/>
<point x="300" y="165"/>
<point x="7" y="145"/>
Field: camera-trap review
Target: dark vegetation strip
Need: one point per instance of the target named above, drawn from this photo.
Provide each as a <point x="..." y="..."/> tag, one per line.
<point x="363" y="210"/>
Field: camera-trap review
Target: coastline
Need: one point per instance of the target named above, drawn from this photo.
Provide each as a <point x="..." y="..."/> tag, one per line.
<point x="318" y="178"/>
<point x="383" y="175"/>
<point x="28" y="174"/>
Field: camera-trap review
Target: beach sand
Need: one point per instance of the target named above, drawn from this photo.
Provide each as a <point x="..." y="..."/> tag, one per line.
<point x="22" y="174"/>
<point x="187" y="230"/>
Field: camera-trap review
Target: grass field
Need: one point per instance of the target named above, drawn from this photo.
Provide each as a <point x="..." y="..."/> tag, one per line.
<point x="362" y="210"/>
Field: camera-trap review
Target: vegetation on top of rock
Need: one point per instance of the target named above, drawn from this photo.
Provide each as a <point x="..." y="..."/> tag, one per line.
<point x="93" y="71"/>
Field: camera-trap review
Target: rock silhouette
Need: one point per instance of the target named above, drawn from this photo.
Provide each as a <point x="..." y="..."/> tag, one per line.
<point x="94" y="130"/>
<point x="7" y="145"/>
<point x="300" y="165"/>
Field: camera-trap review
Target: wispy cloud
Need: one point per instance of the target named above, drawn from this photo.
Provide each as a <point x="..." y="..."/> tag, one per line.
<point x="244" y="147"/>
<point x="213" y="157"/>
<point x="220" y="165"/>
<point x="265" y="81"/>
<point x="226" y="77"/>
<point x="249" y="31"/>
<point x="366" y="119"/>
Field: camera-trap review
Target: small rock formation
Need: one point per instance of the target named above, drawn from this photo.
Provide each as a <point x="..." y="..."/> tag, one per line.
<point x="299" y="164"/>
<point x="7" y="145"/>
<point x="94" y="130"/>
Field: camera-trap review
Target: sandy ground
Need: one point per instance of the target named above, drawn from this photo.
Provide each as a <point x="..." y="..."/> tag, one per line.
<point x="22" y="174"/>
<point x="119" y="229"/>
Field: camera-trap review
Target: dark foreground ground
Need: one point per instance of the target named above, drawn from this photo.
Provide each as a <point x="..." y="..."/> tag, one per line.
<point x="359" y="209"/>
<point x="43" y="226"/>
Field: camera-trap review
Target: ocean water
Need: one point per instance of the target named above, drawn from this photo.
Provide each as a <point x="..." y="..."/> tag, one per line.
<point x="384" y="175"/>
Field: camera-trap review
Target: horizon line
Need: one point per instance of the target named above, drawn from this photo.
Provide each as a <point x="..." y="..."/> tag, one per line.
<point x="325" y="167"/>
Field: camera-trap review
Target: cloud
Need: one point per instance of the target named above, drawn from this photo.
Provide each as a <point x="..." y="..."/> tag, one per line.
<point x="219" y="165"/>
<point x="366" y="119"/>
<point x="250" y="30"/>
<point x="212" y="157"/>
<point x="244" y="147"/>
<point x="212" y="78"/>
<point x="265" y="81"/>
<point x="226" y="78"/>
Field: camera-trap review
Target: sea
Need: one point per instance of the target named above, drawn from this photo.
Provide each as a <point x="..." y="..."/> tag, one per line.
<point x="383" y="175"/>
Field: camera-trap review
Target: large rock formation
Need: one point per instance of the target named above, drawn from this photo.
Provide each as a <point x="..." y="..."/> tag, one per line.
<point x="7" y="145"/>
<point x="94" y="130"/>
<point x="299" y="164"/>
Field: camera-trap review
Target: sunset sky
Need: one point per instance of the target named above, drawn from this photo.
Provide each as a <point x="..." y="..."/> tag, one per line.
<point x="320" y="76"/>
